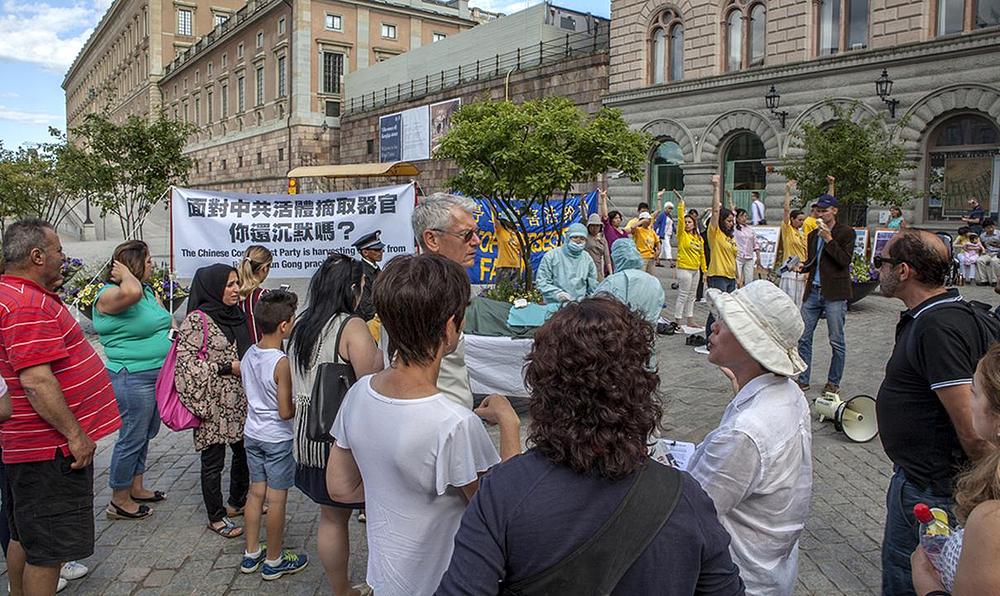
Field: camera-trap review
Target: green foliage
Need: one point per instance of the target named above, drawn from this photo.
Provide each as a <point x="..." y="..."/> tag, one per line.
<point x="509" y="291"/>
<point x="865" y="157"/>
<point x="135" y="163"/>
<point x="532" y="151"/>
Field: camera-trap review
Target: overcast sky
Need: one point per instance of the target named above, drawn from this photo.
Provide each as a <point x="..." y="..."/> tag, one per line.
<point x="40" y="39"/>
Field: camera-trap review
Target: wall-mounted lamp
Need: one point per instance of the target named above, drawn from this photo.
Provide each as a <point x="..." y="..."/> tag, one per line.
<point x="322" y="131"/>
<point x="883" y="86"/>
<point x="773" y="100"/>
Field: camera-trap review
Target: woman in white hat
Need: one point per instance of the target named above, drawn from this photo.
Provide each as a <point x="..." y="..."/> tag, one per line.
<point x="757" y="465"/>
<point x="597" y="246"/>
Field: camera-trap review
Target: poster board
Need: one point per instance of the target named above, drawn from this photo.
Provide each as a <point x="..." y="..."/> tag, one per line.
<point x="416" y="134"/>
<point x="880" y="239"/>
<point x="441" y="114"/>
<point x="861" y="242"/>
<point x="767" y="244"/>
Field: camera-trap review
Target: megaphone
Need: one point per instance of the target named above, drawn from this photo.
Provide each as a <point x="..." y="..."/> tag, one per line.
<point x="854" y="417"/>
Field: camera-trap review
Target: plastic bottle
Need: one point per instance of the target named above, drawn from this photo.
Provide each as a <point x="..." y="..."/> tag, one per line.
<point x="934" y="532"/>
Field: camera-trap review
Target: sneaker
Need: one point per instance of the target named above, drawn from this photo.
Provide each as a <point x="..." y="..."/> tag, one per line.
<point x="290" y="563"/>
<point x="831" y="388"/>
<point x="802" y="386"/>
<point x="361" y="516"/>
<point x="701" y="350"/>
<point x="63" y="582"/>
<point x="73" y="570"/>
<point x="251" y="564"/>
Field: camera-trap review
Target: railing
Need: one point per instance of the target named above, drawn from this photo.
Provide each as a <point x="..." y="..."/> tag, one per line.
<point x="240" y="16"/>
<point x="583" y="43"/>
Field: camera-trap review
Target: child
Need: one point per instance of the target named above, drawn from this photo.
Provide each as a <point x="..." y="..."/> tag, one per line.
<point x="267" y="379"/>
<point x="971" y="250"/>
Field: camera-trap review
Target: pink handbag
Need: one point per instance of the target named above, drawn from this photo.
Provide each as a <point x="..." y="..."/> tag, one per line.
<point x="173" y="413"/>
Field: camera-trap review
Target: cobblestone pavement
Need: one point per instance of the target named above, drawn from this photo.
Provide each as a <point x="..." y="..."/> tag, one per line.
<point x="173" y="553"/>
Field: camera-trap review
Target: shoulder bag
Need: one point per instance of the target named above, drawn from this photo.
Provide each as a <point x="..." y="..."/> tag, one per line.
<point x="173" y="412"/>
<point x="333" y="379"/>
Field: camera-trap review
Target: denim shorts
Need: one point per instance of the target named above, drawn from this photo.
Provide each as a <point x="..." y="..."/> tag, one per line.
<point x="271" y="462"/>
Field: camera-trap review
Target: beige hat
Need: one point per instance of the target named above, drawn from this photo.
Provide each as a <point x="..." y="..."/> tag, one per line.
<point x="594" y="220"/>
<point x="645" y="215"/>
<point x="765" y="321"/>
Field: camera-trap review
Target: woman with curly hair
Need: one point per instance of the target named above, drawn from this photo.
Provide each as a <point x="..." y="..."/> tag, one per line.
<point x="591" y="421"/>
<point x="969" y="558"/>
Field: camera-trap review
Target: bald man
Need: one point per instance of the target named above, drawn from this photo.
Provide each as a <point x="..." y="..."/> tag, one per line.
<point x="924" y="403"/>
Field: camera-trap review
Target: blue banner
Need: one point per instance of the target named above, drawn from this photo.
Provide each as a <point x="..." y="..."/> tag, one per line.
<point x="542" y="225"/>
<point x="390" y="140"/>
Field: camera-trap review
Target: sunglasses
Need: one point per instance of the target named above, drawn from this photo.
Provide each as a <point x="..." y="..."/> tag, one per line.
<point x="879" y="260"/>
<point x="466" y="236"/>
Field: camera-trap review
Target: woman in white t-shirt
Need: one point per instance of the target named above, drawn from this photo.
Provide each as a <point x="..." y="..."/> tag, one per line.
<point x="413" y="455"/>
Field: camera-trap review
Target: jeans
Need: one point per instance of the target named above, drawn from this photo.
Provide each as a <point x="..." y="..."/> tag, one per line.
<point x="902" y="532"/>
<point x="4" y="527"/>
<point x="727" y="285"/>
<point x="136" y="397"/>
<point x="836" y="312"/>
<point x="213" y="460"/>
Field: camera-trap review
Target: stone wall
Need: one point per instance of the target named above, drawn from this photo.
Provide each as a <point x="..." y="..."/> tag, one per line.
<point x="583" y="80"/>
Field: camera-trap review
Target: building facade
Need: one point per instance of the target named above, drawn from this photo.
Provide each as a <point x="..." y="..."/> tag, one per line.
<point x="696" y="76"/>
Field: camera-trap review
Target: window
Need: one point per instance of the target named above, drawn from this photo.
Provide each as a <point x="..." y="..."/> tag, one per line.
<point x="197" y="111"/>
<point x="841" y="21"/>
<point x="259" y="96"/>
<point x="239" y="51"/>
<point x="437" y="37"/>
<point x="987" y="14"/>
<point x="184" y="22"/>
<point x="333" y="72"/>
<point x="241" y="94"/>
<point x="757" y="29"/>
<point x="223" y="164"/>
<point x="281" y="154"/>
<point x="666" y="48"/>
<point x="208" y="102"/>
<point x="388" y="31"/>
<point x="282" y="86"/>
<point x="260" y="158"/>
<point x="951" y="15"/>
<point x="219" y="19"/>
<point x="224" y="61"/>
<point x="239" y="161"/>
<point x="829" y="27"/>
<point x="334" y="22"/>
<point x="333" y="109"/>
<point x="744" y="170"/>
<point x="224" y="108"/>
<point x="187" y="117"/>
<point x="260" y="40"/>
<point x="857" y="24"/>
<point x="281" y="26"/>
<point x="734" y="40"/>
<point x="962" y="154"/>
<point x="208" y="70"/>
<point x="666" y="168"/>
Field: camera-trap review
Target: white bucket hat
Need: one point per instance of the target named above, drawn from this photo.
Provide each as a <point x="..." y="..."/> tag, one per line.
<point x="765" y="321"/>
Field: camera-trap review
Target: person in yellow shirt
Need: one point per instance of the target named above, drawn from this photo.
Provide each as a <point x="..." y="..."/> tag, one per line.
<point x="722" y="245"/>
<point x="690" y="263"/>
<point x="646" y="240"/>
<point x="812" y="220"/>
<point x="793" y="244"/>
<point x="507" y="266"/>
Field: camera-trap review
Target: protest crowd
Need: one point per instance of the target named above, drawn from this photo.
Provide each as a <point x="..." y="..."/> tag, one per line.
<point x="358" y="395"/>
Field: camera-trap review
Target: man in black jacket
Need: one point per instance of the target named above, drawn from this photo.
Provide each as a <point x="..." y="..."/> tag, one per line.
<point x="370" y="248"/>
<point x="828" y="288"/>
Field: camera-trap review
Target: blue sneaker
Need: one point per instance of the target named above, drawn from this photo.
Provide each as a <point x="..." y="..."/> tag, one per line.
<point x="290" y="563"/>
<point x="251" y="564"/>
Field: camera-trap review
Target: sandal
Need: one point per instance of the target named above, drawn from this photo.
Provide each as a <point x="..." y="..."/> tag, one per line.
<point x="227" y="530"/>
<point x="238" y="511"/>
<point x="156" y="498"/>
<point x="115" y="512"/>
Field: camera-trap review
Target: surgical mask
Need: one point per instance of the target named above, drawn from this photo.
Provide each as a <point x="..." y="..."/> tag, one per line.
<point x="574" y="248"/>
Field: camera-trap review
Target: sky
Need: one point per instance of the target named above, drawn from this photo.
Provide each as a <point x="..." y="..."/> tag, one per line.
<point x="40" y="38"/>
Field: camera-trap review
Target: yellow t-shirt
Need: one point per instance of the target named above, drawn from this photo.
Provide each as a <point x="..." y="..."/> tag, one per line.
<point x="723" y="262"/>
<point x="810" y="224"/>
<point x="793" y="242"/>
<point x="645" y="240"/>
<point x="690" y="247"/>
<point x="508" y="248"/>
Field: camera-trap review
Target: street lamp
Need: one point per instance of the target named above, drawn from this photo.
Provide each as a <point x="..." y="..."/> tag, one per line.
<point x="772" y="100"/>
<point x="883" y="87"/>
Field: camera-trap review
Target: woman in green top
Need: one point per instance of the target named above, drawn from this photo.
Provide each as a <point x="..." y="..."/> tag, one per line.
<point x="134" y="329"/>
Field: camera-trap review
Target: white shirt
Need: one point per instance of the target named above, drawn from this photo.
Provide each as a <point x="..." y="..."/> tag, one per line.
<point x="413" y="454"/>
<point x="263" y="422"/>
<point x="453" y="379"/>
<point x="757" y="467"/>
<point x="757" y="214"/>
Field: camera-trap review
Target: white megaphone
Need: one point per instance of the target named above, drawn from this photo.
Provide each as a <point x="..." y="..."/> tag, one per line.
<point x="854" y="417"/>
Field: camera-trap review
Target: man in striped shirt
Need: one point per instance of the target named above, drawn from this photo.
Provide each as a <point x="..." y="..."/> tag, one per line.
<point x="62" y="403"/>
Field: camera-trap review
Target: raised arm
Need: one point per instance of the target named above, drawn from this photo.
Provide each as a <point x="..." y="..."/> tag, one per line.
<point x="659" y="200"/>
<point x="118" y="298"/>
<point x="789" y="188"/>
<point x="729" y="201"/>
<point x="602" y="203"/>
<point x="831" y="185"/>
<point x="716" y="202"/>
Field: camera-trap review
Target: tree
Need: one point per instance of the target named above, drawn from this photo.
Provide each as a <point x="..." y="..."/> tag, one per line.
<point x="517" y="156"/>
<point x="865" y="157"/>
<point x="136" y="161"/>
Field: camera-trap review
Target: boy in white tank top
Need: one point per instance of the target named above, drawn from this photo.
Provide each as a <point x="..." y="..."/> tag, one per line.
<point x="268" y="435"/>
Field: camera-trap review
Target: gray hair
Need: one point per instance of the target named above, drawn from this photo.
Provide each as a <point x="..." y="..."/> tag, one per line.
<point x="23" y="236"/>
<point x="434" y="213"/>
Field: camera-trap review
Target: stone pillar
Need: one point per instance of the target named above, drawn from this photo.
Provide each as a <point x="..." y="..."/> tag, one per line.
<point x="361" y="47"/>
<point x="301" y="61"/>
<point x="416" y="32"/>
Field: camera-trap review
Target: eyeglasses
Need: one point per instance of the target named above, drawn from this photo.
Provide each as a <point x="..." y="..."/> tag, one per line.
<point x="879" y="260"/>
<point x="466" y="236"/>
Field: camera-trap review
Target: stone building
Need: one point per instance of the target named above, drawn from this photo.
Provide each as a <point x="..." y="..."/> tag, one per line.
<point x="696" y="74"/>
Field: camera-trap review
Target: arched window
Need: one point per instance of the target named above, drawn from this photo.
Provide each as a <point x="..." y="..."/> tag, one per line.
<point x="962" y="153"/>
<point x="744" y="170"/>
<point x="666" y="48"/>
<point x="734" y="40"/>
<point x="758" y="32"/>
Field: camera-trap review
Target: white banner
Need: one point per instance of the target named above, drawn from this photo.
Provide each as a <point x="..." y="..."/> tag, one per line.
<point x="300" y="230"/>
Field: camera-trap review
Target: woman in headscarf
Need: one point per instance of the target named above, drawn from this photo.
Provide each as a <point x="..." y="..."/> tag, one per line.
<point x="211" y="341"/>
<point x="631" y="284"/>
<point x="567" y="272"/>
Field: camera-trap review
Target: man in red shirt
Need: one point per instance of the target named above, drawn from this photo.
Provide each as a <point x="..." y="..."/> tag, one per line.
<point x="62" y="403"/>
